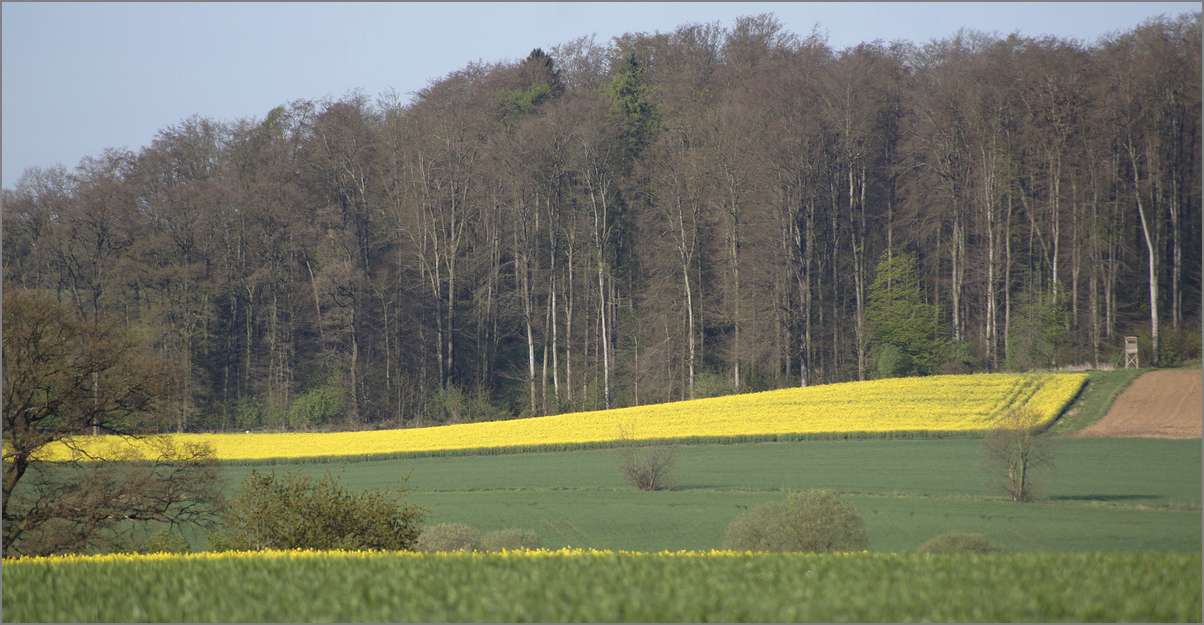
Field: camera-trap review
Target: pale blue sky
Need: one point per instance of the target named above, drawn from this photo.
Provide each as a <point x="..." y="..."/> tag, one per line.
<point x="78" y="78"/>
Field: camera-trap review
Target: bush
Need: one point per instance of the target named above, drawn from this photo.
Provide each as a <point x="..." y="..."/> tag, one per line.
<point x="648" y="468"/>
<point x="297" y="512"/>
<point x="248" y="414"/>
<point x="455" y="405"/>
<point x="449" y="537"/>
<point x="958" y="542"/>
<point x="165" y="541"/>
<point x="1178" y="347"/>
<point x="510" y="539"/>
<point x="959" y="357"/>
<point x="711" y="384"/>
<point x="1038" y="333"/>
<point x="815" y="520"/>
<point x="893" y="362"/>
<point x="318" y="405"/>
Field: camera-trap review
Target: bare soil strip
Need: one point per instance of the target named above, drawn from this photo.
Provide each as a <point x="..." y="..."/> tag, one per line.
<point x="1159" y="404"/>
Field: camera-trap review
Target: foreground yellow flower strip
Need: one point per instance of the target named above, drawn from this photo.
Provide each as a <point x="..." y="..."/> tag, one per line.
<point x="950" y="403"/>
<point x="572" y="585"/>
<point x="305" y="554"/>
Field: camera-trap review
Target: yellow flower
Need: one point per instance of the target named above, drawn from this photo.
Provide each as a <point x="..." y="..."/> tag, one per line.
<point x="946" y="403"/>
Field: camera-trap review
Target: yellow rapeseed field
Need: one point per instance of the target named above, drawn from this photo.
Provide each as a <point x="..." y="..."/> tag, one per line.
<point x="308" y="554"/>
<point x="947" y="403"/>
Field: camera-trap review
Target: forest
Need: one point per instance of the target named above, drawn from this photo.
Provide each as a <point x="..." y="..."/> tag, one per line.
<point x="655" y="218"/>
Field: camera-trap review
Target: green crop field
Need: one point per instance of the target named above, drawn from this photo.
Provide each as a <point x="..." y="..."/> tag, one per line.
<point x="1103" y="494"/>
<point x="1113" y="535"/>
<point x="610" y="587"/>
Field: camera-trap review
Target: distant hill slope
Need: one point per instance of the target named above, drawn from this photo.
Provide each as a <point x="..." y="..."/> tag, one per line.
<point x="1159" y="404"/>
<point x="897" y="407"/>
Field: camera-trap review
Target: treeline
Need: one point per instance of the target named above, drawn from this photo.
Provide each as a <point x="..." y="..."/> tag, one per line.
<point x="661" y="217"/>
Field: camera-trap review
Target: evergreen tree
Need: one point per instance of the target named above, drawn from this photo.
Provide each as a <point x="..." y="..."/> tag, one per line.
<point x="903" y="329"/>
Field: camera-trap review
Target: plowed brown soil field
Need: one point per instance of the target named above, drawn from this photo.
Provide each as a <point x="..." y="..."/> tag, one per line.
<point x="1159" y="404"/>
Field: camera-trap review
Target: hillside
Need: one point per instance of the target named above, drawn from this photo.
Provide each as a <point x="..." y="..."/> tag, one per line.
<point x="891" y="408"/>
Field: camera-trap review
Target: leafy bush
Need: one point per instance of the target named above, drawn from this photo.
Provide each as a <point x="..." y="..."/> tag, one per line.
<point x="959" y="357"/>
<point x="1038" y="332"/>
<point x="815" y="520"/>
<point x="893" y="362"/>
<point x="449" y="537"/>
<point x="165" y="541"/>
<point x="711" y="384"/>
<point x="1178" y="347"/>
<point x="455" y="405"/>
<point x="498" y="540"/>
<point x="248" y="414"/>
<point x="958" y="542"/>
<point x="318" y="405"/>
<point x="297" y="512"/>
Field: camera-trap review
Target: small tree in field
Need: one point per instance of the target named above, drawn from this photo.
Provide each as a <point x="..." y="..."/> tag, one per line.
<point x="1017" y="451"/>
<point x="646" y="468"/>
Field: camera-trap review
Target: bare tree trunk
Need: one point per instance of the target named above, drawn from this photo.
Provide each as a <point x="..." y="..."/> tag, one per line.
<point x="1151" y="254"/>
<point x="1176" y="254"/>
<point x="568" y="327"/>
<point x="555" y="342"/>
<point x="989" y="206"/>
<point x="543" y="377"/>
<point x="604" y="340"/>
<point x="685" y="278"/>
<point x="734" y="259"/>
<point x="1007" y="277"/>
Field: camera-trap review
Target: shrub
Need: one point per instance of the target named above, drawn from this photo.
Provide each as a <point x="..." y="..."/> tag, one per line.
<point x="498" y="540"/>
<point x="958" y="542"/>
<point x="1178" y="347"/>
<point x="248" y="414"/>
<point x="648" y="468"/>
<point x="959" y="357"/>
<point x="1038" y="332"/>
<point x="815" y="520"/>
<point x="318" y="405"/>
<point x="893" y="362"/>
<point x="165" y="541"/>
<point x="449" y="537"/>
<point x="711" y="384"/>
<point x="297" y="512"/>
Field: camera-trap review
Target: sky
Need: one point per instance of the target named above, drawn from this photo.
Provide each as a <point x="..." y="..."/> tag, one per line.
<point x="79" y="78"/>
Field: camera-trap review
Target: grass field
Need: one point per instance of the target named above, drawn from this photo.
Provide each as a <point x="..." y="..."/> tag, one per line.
<point x="598" y="587"/>
<point x="1103" y="494"/>
<point x="1114" y="535"/>
<point x="1101" y="389"/>
<point x="891" y="408"/>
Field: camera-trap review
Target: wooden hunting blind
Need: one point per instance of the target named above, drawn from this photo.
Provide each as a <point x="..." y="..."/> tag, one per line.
<point x="1131" y="352"/>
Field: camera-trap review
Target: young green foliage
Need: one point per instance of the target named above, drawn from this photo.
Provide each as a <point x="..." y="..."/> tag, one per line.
<point x="297" y="512"/>
<point x="903" y="329"/>
<point x="813" y="520"/>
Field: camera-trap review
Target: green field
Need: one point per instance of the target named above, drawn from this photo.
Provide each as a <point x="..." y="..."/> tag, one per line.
<point x="1114" y="535"/>
<point x="386" y="587"/>
<point x="1102" y="388"/>
<point x="1103" y="494"/>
